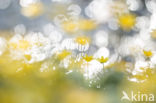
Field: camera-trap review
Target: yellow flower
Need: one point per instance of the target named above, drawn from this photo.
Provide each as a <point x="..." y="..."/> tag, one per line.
<point x="102" y="59"/>
<point x="88" y="58"/>
<point x="63" y="54"/>
<point x="83" y="40"/>
<point x="87" y="25"/>
<point x="32" y="10"/>
<point x="127" y="21"/>
<point x="147" y="53"/>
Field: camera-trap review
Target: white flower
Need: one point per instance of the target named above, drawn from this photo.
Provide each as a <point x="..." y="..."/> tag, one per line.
<point x="99" y="10"/>
<point x="103" y="51"/>
<point x="92" y="69"/>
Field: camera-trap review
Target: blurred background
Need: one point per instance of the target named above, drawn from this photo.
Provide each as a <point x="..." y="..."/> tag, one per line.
<point x="77" y="51"/>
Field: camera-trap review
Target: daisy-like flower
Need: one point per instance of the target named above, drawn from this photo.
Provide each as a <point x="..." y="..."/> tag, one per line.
<point x="83" y="40"/>
<point x="82" y="43"/>
<point x="31" y="48"/>
<point x="88" y="58"/>
<point x="103" y="60"/>
<point x="19" y="43"/>
<point x="147" y="53"/>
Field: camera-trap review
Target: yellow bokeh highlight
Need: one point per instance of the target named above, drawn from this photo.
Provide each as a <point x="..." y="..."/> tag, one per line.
<point x="82" y="25"/>
<point x="70" y="26"/>
<point x="127" y="21"/>
<point x="87" y="24"/>
<point x="32" y="10"/>
<point x="153" y="34"/>
<point x="63" y="54"/>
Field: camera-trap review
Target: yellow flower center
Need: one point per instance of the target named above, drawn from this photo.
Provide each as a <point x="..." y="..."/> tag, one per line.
<point x="127" y="21"/>
<point x="147" y="53"/>
<point x="88" y="58"/>
<point x="102" y="59"/>
<point x="82" y="40"/>
<point x="22" y="44"/>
